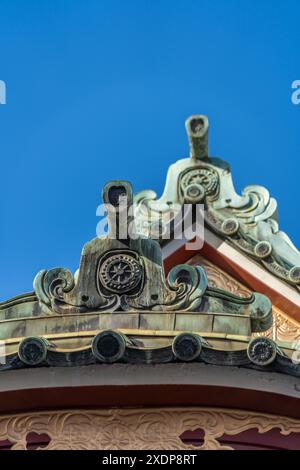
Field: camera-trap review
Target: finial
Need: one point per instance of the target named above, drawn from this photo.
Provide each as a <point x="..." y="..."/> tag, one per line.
<point x="118" y="197"/>
<point x="197" y="130"/>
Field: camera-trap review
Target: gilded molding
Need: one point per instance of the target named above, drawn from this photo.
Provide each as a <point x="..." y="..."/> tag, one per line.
<point x="283" y="328"/>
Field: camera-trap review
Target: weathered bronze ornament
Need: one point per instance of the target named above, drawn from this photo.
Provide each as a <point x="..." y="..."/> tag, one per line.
<point x="249" y="222"/>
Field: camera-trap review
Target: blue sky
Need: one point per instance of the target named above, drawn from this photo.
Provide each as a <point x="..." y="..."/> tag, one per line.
<point x="98" y="90"/>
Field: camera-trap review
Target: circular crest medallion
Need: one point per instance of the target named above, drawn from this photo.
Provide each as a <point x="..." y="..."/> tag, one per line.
<point x="32" y="351"/>
<point x="204" y="178"/>
<point x="120" y="273"/>
<point x="263" y="249"/>
<point x="261" y="351"/>
<point x="230" y="226"/>
<point x="187" y="346"/>
<point x="294" y="275"/>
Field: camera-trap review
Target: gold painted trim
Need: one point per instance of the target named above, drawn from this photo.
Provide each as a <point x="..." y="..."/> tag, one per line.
<point x="129" y="332"/>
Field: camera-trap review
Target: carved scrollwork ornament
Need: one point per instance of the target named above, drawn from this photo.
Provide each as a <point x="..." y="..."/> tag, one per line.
<point x="258" y="235"/>
<point x="262" y="351"/>
<point x="194" y="193"/>
<point x="190" y="284"/>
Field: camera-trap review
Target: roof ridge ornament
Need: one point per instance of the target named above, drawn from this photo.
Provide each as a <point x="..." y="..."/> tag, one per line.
<point x="248" y="221"/>
<point x="120" y="306"/>
<point x="120" y="273"/>
<point x="121" y="295"/>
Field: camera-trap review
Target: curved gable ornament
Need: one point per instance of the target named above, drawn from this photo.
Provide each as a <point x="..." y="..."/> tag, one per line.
<point x="249" y="222"/>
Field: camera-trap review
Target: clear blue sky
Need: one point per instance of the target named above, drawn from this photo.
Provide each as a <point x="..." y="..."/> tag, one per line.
<point x="98" y="90"/>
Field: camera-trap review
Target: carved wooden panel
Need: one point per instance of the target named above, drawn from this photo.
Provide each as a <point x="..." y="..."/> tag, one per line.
<point x="151" y="429"/>
<point x="283" y="329"/>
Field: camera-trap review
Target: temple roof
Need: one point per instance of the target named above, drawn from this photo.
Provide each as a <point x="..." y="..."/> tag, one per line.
<point x="248" y="222"/>
<point x="121" y="307"/>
